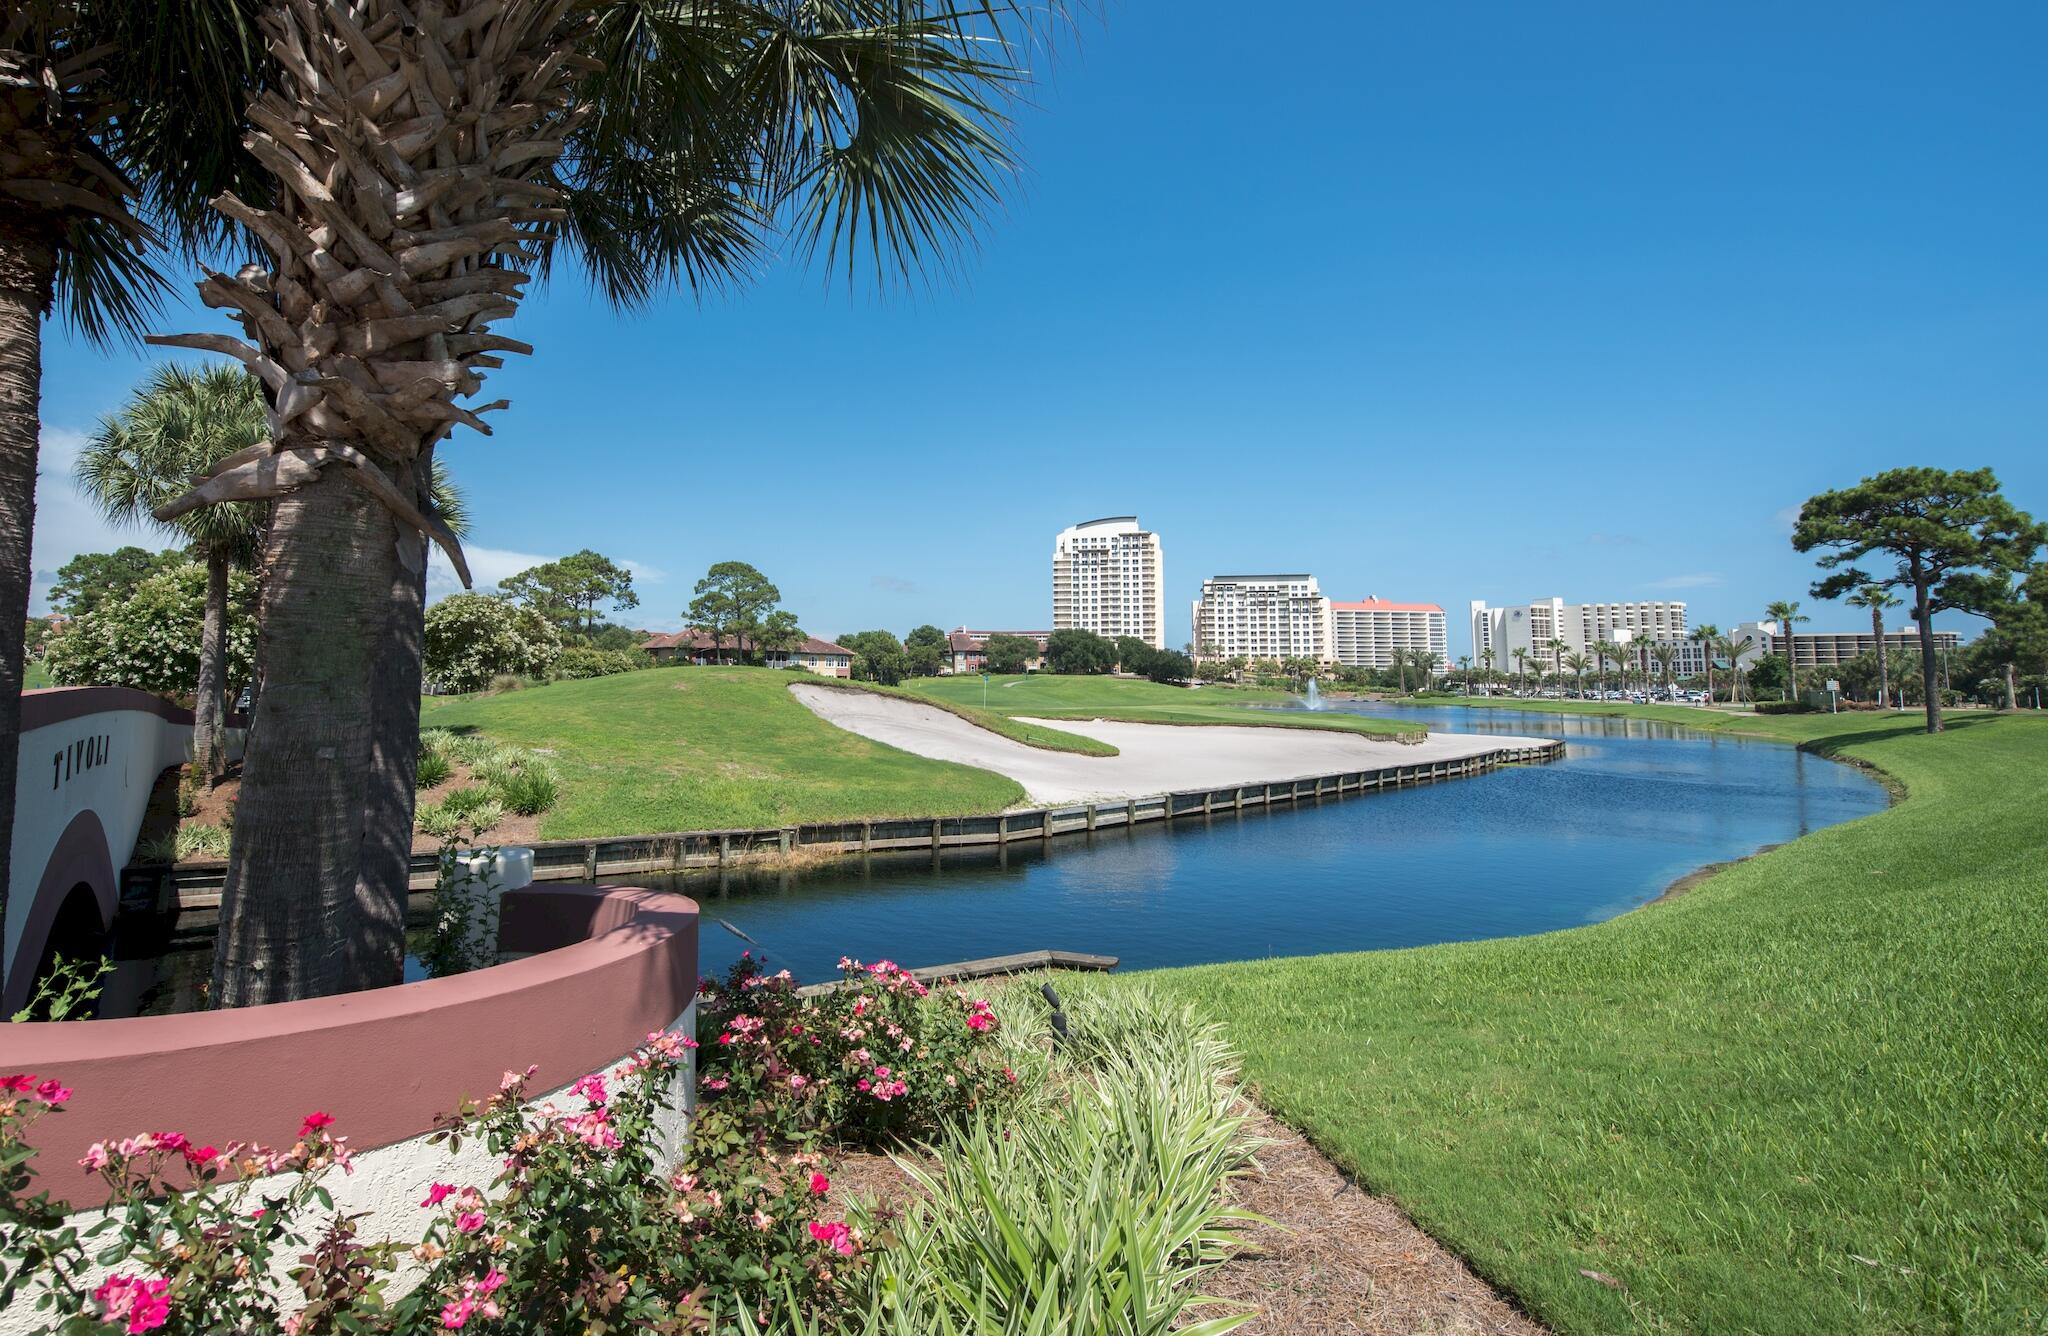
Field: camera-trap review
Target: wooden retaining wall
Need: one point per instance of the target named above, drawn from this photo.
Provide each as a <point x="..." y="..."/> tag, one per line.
<point x="199" y="884"/>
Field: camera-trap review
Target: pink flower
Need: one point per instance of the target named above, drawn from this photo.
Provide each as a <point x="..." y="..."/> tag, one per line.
<point x="798" y="1081"/>
<point x="53" y="1094"/>
<point x="977" y="1021"/>
<point x="820" y="1185"/>
<point x="95" y="1157"/>
<point x="762" y="1220"/>
<point x="1010" y="1076"/>
<point x="437" y="1193"/>
<point x="834" y="1235"/>
<point x="18" y="1084"/>
<point x="469" y="1222"/>
<point x="140" y="1304"/>
<point x="591" y="1088"/>
<point x="716" y="1083"/>
<point x="314" y="1122"/>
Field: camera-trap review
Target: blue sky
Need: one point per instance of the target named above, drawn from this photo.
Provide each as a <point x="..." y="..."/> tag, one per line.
<point x="1489" y="301"/>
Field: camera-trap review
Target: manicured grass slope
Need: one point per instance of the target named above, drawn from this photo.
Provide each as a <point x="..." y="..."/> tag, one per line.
<point x="711" y="748"/>
<point x="1045" y="696"/>
<point x="1809" y="1096"/>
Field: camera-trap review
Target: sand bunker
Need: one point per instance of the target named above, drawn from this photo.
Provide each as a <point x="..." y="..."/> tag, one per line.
<point x="1154" y="758"/>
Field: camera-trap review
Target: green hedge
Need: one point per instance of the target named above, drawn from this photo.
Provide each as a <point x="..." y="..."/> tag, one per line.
<point x="1783" y="707"/>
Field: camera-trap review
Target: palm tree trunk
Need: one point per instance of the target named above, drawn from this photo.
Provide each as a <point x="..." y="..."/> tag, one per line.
<point x="377" y="948"/>
<point x="28" y="267"/>
<point x="1884" y="684"/>
<point x="209" y="706"/>
<point x="290" y="921"/>
<point x="2012" y="689"/>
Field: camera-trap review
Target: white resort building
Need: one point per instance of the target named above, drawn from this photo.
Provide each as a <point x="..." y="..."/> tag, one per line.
<point x="1108" y="576"/>
<point x="1261" y="617"/>
<point x="1366" y="634"/>
<point x="1530" y="627"/>
<point x="1287" y="616"/>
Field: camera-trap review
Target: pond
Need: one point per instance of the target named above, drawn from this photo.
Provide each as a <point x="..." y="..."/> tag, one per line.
<point x="1632" y="807"/>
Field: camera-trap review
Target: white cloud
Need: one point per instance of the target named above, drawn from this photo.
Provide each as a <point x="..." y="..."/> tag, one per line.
<point x="1786" y="517"/>
<point x="1697" y="580"/>
<point x="487" y="566"/>
<point x="67" y="523"/>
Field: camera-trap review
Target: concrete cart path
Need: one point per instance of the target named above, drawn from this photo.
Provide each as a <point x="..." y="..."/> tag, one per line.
<point x="1154" y="758"/>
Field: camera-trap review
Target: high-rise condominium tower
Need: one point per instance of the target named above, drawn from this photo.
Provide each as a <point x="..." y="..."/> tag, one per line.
<point x="1108" y="577"/>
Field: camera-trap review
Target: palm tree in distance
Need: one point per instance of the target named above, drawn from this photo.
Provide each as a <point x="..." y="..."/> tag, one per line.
<point x="1879" y="600"/>
<point x="664" y="146"/>
<point x="1426" y="662"/>
<point x="1603" y="651"/>
<point x="1486" y="669"/>
<point x="1733" y="648"/>
<point x="1557" y="647"/>
<point x="1665" y="655"/>
<point x="1785" y="613"/>
<point x="1707" y="634"/>
<point x="120" y="119"/>
<point x="183" y="421"/>
<point x="1579" y="663"/>
<point x="1521" y="658"/>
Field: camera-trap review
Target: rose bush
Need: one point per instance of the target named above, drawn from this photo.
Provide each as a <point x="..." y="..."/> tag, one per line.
<point x="881" y="1058"/>
<point x="584" y="1228"/>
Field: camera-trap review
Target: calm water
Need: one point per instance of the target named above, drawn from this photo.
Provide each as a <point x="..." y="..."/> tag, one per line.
<point x="1631" y="808"/>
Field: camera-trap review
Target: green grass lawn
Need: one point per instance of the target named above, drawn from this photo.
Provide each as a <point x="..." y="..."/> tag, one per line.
<point x="1791" y="728"/>
<point x="1809" y="1096"/>
<point x="711" y="748"/>
<point x="35" y="675"/>
<point x="1045" y="696"/>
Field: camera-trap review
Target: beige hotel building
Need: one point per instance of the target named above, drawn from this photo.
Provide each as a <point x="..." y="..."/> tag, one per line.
<point x="1108" y="576"/>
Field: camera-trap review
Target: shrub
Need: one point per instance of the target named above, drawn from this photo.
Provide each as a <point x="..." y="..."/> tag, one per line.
<point x="882" y="1058"/>
<point x="433" y="769"/>
<point x="528" y="791"/>
<point x="150" y="638"/>
<point x="436" y="822"/>
<point x="505" y="682"/>
<point x="436" y="742"/>
<point x="192" y="840"/>
<point x="578" y="662"/>
<point x="466" y="799"/>
<point x="1783" y="707"/>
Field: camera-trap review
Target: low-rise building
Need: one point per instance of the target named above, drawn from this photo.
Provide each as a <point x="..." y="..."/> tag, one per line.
<point x="1824" y="649"/>
<point x="693" y="646"/>
<point x="967" y="651"/>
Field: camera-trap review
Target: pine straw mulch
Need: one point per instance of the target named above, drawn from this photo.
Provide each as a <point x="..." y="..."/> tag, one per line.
<point x="1336" y="1261"/>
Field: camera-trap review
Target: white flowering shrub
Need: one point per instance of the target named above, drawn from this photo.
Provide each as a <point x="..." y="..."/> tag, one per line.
<point x="150" y="640"/>
<point x="472" y="638"/>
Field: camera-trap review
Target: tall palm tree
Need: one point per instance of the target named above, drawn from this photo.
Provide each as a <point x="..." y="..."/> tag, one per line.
<point x="1398" y="661"/>
<point x="1785" y="613"/>
<point x="181" y="422"/>
<point x="664" y="144"/>
<point x="1879" y="600"/>
<point x="1579" y="663"/>
<point x="1465" y="672"/>
<point x="118" y="118"/>
<point x="1521" y="658"/>
<point x="1708" y="634"/>
<point x="1426" y="662"/>
<point x="1486" y="668"/>
<point x="1557" y="647"/>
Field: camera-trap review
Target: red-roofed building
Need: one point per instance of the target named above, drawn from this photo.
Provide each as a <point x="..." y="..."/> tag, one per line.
<point x="967" y="651"/>
<point x="693" y="646"/>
